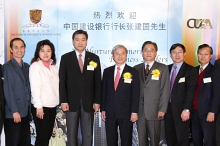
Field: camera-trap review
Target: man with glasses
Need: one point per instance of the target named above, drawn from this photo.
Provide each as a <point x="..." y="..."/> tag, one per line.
<point x="183" y="81"/>
<point x="154" y="95"/>
<point x="206" y="99"/>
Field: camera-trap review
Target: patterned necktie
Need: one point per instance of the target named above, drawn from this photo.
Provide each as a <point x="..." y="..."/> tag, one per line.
<point x="146" y="72"/>
<point x="117" y="77"/>
<point x="80" y="62"/>
<point x="200" y="70"/>
<point x="147" y="69"/>
<point x="173" y="77"/>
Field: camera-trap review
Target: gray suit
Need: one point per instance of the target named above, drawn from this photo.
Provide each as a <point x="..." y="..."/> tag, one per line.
<point x="154" y="97"/>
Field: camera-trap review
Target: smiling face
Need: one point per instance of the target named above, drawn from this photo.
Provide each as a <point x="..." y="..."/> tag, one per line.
<point x="120" y="56"/>
<point x="45" y="53"/>
<point x="177" y="55"/>
<point x="80" y="42"/>
<point x="18" y="49"/>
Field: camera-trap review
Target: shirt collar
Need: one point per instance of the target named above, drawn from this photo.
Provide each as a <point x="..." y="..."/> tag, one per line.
<point x="178" y="65"/>
<point x="150" y="64"/>
<point x="83" y="53"/>
<point x="203" y="67"/>
<point x="121" y="67"/>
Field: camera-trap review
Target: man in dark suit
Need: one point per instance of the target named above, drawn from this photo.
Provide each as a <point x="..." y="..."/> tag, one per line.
<point x="183" y="81"/>
<point x="217" y="137"/>
<point x="80" y="89"/>
<point x="154" y="95"/>
<point x="17" y="96"/>
<point x="206" y="99"/>
<point x="2" y="113"/>
<point x="120" y="98"/>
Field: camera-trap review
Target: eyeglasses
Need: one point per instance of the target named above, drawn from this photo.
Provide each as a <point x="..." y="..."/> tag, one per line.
<point x="149" y="51"/>
<point x="176" y="53"/>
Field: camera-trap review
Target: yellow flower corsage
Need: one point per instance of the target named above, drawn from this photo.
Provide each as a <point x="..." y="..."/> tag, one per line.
<point x="93" y="63"/>
<point x="155" y="73"/>
<point x="127" y="75"/>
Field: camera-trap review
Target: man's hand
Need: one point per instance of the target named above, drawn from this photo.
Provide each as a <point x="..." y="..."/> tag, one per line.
<point x="17" y="117"/>
<point x="160" y="114"/>
<point x="65" y="107"/>
<point x="103" y="116"/>
<point x="96" y="107"/>
<point x="210" y="117"/>
<point x="134" y="117"/>
<point x="185" y="115"/>
<point x="40" y="113"/>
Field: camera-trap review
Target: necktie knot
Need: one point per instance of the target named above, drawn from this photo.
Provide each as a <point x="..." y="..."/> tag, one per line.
<point x="175" y="67"/>
<point x="118" y="68"/>
<point x="80" y="55"/>
<point x="200" y="70"/>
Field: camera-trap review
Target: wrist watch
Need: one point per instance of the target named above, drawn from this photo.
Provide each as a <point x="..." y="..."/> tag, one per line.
<point x="186" y="110"/>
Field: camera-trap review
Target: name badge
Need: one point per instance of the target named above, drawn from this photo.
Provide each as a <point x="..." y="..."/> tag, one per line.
<point x="207" y="80"/>
<point x="154" y="78"/>
<point x="127" y="81"/>
<point x="182" y="80"/>
<point x="89" y="67"/>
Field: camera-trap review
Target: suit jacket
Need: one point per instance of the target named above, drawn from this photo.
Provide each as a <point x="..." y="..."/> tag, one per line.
<point x="16" y="89"/>
<point x="217" y="63"/>
<point x="76" y="87"/>
<point x="208" y="97"/>
<point x="183" y="90"/>
<point x="124" y="101"/>
<point x="154" y="93"/>
<point x="2" y="113"/>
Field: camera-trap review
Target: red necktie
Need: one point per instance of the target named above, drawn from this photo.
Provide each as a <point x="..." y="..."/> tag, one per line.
<point x="117" y="77"/>
<point x="147" y="69"/>
<point x="80" y="62"/>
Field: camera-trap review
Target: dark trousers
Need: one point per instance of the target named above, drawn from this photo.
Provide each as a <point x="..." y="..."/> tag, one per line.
<point x="218" y="128"/>
<point x="176" y="131"/>
<point x="203" y="132"/>
<point x="86" y="124"/>
<point x="44" y="127"/>
<point x="17" y="134"/>
<point x="1" y="121"/>
<point x="125" y="129"/>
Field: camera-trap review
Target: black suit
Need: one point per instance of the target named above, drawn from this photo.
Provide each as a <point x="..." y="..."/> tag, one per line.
<point x="120" y="104"/>
<point x="217" y="67"/>
<point x="182" y="94"/>
<point x="80" y="91"/>
<point x="1" y="102"/>
<point x="203" y="132"/>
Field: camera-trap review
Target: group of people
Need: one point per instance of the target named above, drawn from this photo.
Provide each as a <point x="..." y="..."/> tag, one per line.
<point x="146" y="94"/>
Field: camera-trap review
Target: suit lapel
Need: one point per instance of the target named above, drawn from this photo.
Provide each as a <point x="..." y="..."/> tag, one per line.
<point x="86" y="61"/>
<point x="206" y="74"/>
<point x="149" y="74"/>
<point x="179" y="75"/>
<point x="111" y="77"/>
<point x="17" y="68"/>
<point x="121" y="81"/>
<point x="142" y="74"/>
<point x="75" y="60"/>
